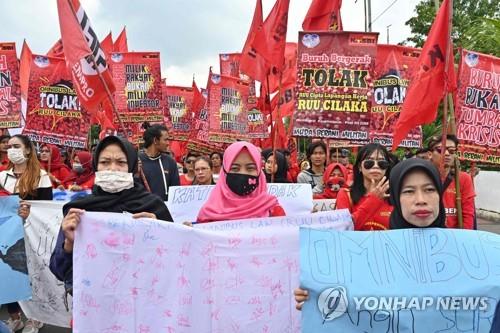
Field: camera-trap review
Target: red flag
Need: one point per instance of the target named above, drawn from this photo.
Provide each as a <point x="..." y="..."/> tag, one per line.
<point x="56" y="50"/>
<point x="270" y="40"/>
<point x="83" y="54"/>
<point x="24" y="70"/>
<point x="289" y="76"/>
<point x="430" y="82"/>
<point x="252" y="63"/>
<point x="107" y="44"/>
<point x="198" y="99"/>
<point x="121" y="44"/>
<point x="323" y="15"/>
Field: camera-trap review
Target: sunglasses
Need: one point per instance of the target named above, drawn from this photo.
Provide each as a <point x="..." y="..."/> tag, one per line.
<point x="451" y="150"/>
<point x="368" y="164"/>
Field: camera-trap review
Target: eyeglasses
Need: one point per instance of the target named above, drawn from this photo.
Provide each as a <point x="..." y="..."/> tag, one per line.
<point x="201" y="169"/>
<point x="382" y="164"/>
<point x="451" y="150"/>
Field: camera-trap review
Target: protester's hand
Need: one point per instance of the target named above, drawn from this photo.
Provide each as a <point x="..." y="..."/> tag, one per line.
<point x="75" y="188"/>
<point x="60" y="187"/>
<point x="24" y="209"/>
<point x="54" y="179"/>
<point x="301" y="295"/>
<point x="188" y="224"/>
<point x="379" y="189"/>
<point x="69" y="225"/>
<point x="144" y="214"/>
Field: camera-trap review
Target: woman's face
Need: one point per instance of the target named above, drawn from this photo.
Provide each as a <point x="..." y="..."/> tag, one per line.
<point x="76" y="160"/>
<point x="244" y="164"/>
<point x="45" y="153"/>
<point x="318" y="157"/>
<point x="216" y="162"/>
<point x="271" y="166"/>
<point x="189" y="163"/>
<point x="371" y="168"/>
<point x="203" y="172"/>
<point x="17" y="143"/>
<point x="112" y="158"/>
<point x="336" y="173"/>
<point x="419" y="199"/>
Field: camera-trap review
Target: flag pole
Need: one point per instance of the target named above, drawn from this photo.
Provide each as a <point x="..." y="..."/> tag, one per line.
<point x="273" y="128"/>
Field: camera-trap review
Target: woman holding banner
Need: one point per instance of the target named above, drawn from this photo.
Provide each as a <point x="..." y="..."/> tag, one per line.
<point x="367" y="197"/>
<point x="115" y="162"/>
<point x="241" y="191"/>
<point x="50" y="159"/>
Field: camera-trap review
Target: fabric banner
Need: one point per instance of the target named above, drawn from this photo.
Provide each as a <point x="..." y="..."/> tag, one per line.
<point x="54" y="113"/>
<point x="478" y="108"/>
<point x="41" y="230"/>
<point x="138" y="96"/>
<point x="184" y="202"/>
<point x="334" y="84"/>
<point x="10" y="89"/>
<point x="178" y="105"/>
<point x="13" y="268"/>
<point x="230" y="64"/>
<point x="149" y="274"/>
<point x="413" y="280"/>
<point x="228" y="100"/>
<point x="393" y="73"/>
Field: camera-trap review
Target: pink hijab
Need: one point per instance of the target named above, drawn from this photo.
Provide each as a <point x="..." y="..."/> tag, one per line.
<point x="223" y="204"/>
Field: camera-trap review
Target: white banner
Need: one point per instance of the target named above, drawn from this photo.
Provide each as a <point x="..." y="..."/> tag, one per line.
<point x="184" y="202"/>
<point x="41" y="229"/>
<point x="324" y="205"/>
<point x="152" y="276"/>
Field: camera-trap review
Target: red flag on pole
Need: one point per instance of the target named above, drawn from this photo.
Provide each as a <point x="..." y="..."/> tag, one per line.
<point x="323" y="15"/>
<point x="84" y="56"/>
<point x="270" y="40"/>
<point x="121" y="44"/>
<point x="56" y="50"/>
<point x="431" y="80"/>
<point x="252" y="63"/>
<point x="24" y="70"/>
<point x="107" y="44"/>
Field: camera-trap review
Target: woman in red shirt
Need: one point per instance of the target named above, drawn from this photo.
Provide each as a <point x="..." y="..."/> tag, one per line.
<point x="367" y="197"/>
<point x="82" y="177"/>
<point x="241" y="191"/>
<point x="50" y="160"/>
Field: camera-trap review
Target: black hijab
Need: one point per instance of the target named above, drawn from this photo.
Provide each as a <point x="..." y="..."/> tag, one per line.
<point x="281" y="173"/>
<point x="398" y="173"/>
<point x="133" y="200"/>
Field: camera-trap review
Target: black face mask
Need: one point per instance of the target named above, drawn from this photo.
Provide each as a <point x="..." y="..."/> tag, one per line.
<point x="242" y="184"/>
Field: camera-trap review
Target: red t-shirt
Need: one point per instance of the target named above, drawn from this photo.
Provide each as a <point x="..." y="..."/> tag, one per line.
<point x="468" y="206"/>
<point x="184" y="181"/>
<point x="370" y="213"/>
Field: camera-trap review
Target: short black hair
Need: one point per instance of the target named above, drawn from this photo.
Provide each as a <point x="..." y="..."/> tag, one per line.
<point x="191" y="154"/>
<point x="344" y="152"/>
<point x="216" y="153"/>
<point x="435" y="140"/>
<point x="152" y="132"/>
<point x="314" y="145"/>
<point x="5" y="136"/>
<point x="422" y="151"/>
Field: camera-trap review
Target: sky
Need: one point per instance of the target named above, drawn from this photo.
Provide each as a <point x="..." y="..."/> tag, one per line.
<point x="190" y="34"/>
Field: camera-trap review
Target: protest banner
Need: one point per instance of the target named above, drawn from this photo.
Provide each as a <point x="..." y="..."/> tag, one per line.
<point x="230" y="64"/>
<point x="334" y="85"/>
<point x="184" y="202"/>
<point x="178" y="103"/>
<point x="63" y="195"/>
<point x="13" y="268"/>
<point x="413" y="280"/>
<point x="138" y="96"/>
<point x="323" y="205"/>
<point x="10" y="89"/>
<point x="54" y="114"/>
<point x="478" y="110"/>
<point x="41" y="230"/>
<point x="394" y="70"/>
<point x="149" y="274"/>
<point x="228" y="99"/>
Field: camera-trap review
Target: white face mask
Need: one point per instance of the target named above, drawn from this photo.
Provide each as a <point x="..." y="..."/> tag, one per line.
<point x="114" y="181"/>
<point x="16" y="155"/>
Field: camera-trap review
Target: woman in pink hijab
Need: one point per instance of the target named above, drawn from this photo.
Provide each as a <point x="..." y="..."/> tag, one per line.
<point x="241" y="191"/>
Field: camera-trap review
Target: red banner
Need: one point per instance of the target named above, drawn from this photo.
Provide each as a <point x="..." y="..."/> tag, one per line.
<point x="137" y="76"/>
<point x="54" y="114"/>
<point x="230" y="64"/>
<point x="227" y="105"/>
<point x="394" y="70"/>
<point x="179" y="111"/>
<point x="478" y="110"/>
<point x="10" y="89"/>
<point x="334" y="83"/>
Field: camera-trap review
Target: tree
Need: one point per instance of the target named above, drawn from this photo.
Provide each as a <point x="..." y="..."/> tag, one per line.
<point x="469" y="17"/>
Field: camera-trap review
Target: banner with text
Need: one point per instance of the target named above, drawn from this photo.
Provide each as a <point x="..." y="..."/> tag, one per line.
<point x="138" y="96"/>
<point x="10" y="89"/>
<point x="54" y="113"/>
<point x="393" y="73"/>
<point x="229" y="277"/>
<point x="334" y="84"/>
<point x="184" y="202"/>
<point x="478" y="108"/>
<point x="407" y="281"/>
<point x="178" y="110"/>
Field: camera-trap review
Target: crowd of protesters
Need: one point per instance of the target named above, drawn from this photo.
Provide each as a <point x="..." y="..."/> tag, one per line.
<point x="380" y="192"/>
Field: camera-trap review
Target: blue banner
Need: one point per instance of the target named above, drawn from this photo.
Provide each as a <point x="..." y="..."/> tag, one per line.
<point x="414" y="280"/>
<point x="13" y="269"/>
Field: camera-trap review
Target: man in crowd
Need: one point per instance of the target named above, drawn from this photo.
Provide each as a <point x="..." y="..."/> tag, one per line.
<point x="159" y="169"/>
<point x="465" y="181"/>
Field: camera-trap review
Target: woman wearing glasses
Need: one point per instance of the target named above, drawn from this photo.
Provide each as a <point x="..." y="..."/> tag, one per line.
<point x="188" y="177"/>
<point x="367" y="197"/>
<point x="203" y="171"/>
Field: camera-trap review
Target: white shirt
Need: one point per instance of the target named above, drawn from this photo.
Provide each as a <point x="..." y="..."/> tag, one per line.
<point x="8" y="180"/>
